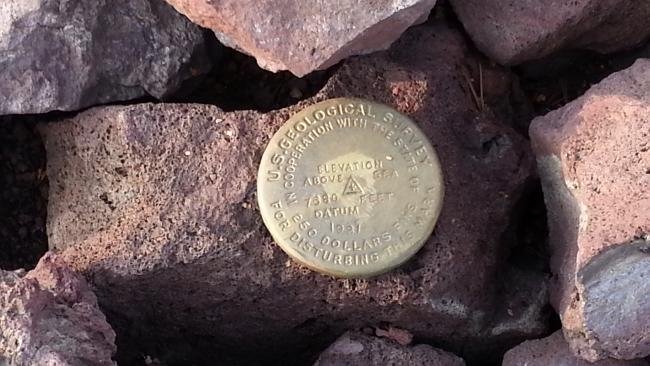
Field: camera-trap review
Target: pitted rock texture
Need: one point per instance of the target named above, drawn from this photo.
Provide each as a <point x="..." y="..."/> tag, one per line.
<point x="358" y="349"/>
<point x="512" y="32"/>
<point x="67" y="55"/>
<point x="305" y="35"/>
<point x="554" y="351"/>
<point x="156" y="205"/>
<point x="50" y="317"/>
<point x="594" y="161"/>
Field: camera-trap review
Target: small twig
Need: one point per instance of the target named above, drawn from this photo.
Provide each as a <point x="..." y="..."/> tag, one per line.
<point x="471" y="88"/>
<point x="480" y="76"/>
<point x="563" y="87"/>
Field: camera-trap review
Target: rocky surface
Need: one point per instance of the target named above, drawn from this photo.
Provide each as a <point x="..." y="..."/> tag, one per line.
<point x="512" y="32"/>
<point x="594" y="160"/>
<point x="303" y="36"/>
<point x="156" y="205"/>
<point x="66" y="55"/>
<point x="554" y="351"/>
<point x="358" y="349"/>
<point x="50" y="317"/>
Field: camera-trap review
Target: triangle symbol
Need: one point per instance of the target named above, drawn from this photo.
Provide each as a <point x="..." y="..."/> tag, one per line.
<point x="352" y="187"/>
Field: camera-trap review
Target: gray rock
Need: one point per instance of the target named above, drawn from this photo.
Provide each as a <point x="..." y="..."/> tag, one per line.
<point x="305" y="35"/>
<point x="554" y="351"/>
<point x="512" y="32"/>
<point x="594" y="160"/>
<point x="358" y="349"/>
<point x="67" y="55"/>
<point x="616" y="297"/>
<point x="50" y="317"/>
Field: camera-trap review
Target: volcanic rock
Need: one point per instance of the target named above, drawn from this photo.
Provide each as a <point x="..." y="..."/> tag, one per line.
<point x="67" y="55"/>
<point x="358" y="349"/>
<point x="156" y="204"/>
<point x="594" y="161"/>
<point x="305" y="35"/>
<point x="554" y="351"/>
<point x="50" y="317"/>
<point x="512" y="32"/>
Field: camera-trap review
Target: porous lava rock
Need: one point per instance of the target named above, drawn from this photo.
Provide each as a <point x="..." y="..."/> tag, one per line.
<point x="512" y="32"/>
<point x="305" y="35"/>
<point x="67" y="55"/>
<point x="358" y="349"/>
<point x="156" y="204"/>
<point x="50" y="316"/>
<point x="553" y="350"/>
<point x="594" y="160"/>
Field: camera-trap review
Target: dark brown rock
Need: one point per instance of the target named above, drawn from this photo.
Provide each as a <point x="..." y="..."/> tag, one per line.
<point x="594" y="160"/>
<point x="50" y="317"/>
<point x="357" y="349"/>
<point x="512" y="32"/>
<point x="156" y="205"/>
<point x="305" y="35"/>
<point x="67" y="55"/>
<point x="554" y="351"/>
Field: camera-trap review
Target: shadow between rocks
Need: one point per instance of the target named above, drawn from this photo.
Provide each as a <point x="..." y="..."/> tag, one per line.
<point x="236" y="82"/>
<point x="553" y="81"/>
<point x="527" y="234"/>
<point x="23" y="194"/>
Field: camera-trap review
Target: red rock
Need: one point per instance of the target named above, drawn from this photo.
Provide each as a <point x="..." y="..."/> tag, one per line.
<point x="305" y="35"/>
<point x="512" y="32"/>
<point x="594" y="160"/>
<point x="554" y="351"/>
<point x="357" y="349"/>
<point x="159" y="204"/>
<point x="50" y="317"/>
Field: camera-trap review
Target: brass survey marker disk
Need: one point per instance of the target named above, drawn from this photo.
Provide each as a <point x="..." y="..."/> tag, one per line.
<point x="350" y="188"/>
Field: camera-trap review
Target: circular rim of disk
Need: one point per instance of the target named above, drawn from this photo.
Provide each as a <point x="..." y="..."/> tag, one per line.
<point x="350" y="188"/>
